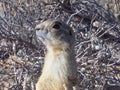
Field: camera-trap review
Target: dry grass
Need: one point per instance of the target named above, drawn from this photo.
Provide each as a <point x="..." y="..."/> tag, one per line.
<point x="97" y="46"/>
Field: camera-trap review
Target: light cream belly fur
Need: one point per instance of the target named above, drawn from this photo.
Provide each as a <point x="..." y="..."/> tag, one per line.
<point x="55" y="73"/>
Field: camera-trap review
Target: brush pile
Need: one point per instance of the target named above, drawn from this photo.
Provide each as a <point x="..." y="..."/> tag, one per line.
<point x="96" y="24"/>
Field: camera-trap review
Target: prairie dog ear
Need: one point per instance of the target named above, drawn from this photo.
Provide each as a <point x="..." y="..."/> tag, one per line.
<point x="70" y="31"/>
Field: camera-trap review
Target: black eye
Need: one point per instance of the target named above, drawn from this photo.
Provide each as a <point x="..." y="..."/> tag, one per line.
<point x="57" y="25"/>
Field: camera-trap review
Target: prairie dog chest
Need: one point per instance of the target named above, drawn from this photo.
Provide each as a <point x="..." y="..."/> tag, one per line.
<point x="56" y="64"/>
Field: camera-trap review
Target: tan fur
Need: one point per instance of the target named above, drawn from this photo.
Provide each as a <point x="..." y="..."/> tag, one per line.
<point x="60" y="70"/>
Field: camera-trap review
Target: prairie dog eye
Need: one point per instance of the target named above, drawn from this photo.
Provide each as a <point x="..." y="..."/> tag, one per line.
<point x="57" y="25"/>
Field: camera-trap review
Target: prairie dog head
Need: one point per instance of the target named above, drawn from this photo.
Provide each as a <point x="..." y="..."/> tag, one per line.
<point x="54" y="33"/>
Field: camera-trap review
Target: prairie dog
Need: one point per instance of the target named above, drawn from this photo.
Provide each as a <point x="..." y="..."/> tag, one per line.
<point x="60" y="69"/>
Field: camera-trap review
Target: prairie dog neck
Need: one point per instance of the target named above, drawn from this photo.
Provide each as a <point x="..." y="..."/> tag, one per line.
<point x="56" y="63"/>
